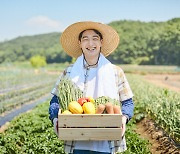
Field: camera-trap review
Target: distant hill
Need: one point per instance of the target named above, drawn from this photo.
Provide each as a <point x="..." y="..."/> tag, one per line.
<point x="140" y="43"/>
<point x="23" y="48"/>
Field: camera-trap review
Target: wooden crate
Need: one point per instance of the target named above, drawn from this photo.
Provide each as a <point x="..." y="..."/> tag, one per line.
<point x="89" y="126"/>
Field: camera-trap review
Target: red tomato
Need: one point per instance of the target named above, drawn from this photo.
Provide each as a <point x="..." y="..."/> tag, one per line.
<point x="81" y="101"/>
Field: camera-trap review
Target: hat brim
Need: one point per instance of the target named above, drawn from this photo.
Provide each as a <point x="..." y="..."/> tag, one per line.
<point x="70" y="43"/>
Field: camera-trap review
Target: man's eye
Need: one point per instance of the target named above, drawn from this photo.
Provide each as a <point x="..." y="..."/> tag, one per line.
<point x="84" y="39"/>
<point x="95" y="38"/>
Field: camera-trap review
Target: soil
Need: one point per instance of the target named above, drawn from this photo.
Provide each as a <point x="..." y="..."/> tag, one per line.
<point x="159" y="142"/>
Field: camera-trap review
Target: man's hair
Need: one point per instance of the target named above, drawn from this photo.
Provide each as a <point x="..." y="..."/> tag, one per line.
<point x="96" y="31"/>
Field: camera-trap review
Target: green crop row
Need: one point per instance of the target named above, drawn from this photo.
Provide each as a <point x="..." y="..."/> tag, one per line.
<point x="19" y="92"/>
<point x="162" y="105"/>
<point x="33" y="133"/>
<point x="22" y="85"/>
<point x="23" y="99"/>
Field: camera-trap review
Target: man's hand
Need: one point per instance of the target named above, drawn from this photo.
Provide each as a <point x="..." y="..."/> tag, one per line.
<point x="124" y="120"/>
<point x="55" y="123"/>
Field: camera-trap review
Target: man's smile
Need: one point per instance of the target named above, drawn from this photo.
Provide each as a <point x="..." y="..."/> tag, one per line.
<point x="91" y="49"/>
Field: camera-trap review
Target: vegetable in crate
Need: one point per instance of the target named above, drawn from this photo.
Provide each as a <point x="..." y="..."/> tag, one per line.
<point x="117" y="109"/>
<point x="104" y="100"/>
<point x="89" y="108"/>
<point x="109" y="108"/>
<point x="82" y="100"/>
<point x="111" y="105"/>
<point x="100" y="109"/>
<point x="75" y="107"/>
<point x="68" y="92"/>
<point x="90" y="99"/>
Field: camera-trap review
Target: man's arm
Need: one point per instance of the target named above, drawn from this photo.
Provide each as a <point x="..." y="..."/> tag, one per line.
<point x="53" y="108"/>
<point x="128" y="108"/>
<point x="53" y="112"/>
<point x="127" y="111"/>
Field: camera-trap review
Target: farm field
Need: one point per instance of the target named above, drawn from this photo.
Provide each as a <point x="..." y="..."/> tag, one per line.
<point x="32" y="132"/>
<point x="21" y="85"/>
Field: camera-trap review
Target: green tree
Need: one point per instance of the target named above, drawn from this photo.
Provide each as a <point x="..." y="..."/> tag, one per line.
<point x="38" y="61"/>
<point x="168" y="44"/>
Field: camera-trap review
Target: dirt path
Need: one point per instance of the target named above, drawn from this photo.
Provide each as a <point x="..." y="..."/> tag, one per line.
<point x="169" y="81"/>
<point x="159" y="142"/>
<point x="142" y="131"/>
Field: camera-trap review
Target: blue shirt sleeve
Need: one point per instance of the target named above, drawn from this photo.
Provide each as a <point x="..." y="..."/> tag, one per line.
<point x="53" y="108"/>
<point x="128" y="108"/>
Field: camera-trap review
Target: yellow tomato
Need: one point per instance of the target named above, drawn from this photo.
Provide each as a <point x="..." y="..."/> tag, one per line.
<point x="90" y="99"/>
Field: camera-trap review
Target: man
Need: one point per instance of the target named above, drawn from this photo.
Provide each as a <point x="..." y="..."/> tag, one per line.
<point x="90" y="43"/>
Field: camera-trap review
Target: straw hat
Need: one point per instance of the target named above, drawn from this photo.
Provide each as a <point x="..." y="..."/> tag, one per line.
<point x="70" y="42"/>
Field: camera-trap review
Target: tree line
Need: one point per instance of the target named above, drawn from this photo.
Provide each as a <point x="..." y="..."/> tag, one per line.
<point x="151" y="43"/>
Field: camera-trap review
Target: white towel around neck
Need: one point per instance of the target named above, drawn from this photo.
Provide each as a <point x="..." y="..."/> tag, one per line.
<point x="103" y="82"/>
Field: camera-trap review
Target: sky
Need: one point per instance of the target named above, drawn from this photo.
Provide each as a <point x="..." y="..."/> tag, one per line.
<point x="32" y="17"/>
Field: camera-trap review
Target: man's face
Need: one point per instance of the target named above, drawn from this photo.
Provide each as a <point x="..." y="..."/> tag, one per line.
<point x="90" y="44"/>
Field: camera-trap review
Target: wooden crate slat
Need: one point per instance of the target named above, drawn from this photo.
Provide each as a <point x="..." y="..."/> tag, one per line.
<point x="90" y="134"/>
<point x="87" y="120"/>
